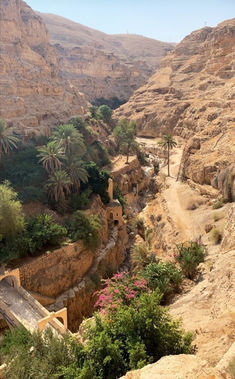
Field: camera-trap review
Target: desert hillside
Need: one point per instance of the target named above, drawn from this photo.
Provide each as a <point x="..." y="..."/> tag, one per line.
<point x="192" y="95"/>
<point x="32" y="94"/>
<point x="104" y="65"/>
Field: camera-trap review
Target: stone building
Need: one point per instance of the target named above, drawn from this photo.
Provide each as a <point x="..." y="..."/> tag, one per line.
<point x="113" y="208"/>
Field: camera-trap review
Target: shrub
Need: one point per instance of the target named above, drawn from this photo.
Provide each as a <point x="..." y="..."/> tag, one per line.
<point x="135" y="335"/>
<point x="216" y="236"/>
<point x="82" y="200"/>
<point x="97" y="181"/>
<point x="141" y="256"/>
<point x="38" y="355"/>
<point x="189" y="256"/>
<point x="164" y="276"/>
<point x="11" y="214"/>
<point x="86" y="229"/>
<point x="41" y="232"/>
<point x="31" y="193"/>
<point x="105" y="113"/>
<point x="117" y="194"/>
<point x="120" y="289"/>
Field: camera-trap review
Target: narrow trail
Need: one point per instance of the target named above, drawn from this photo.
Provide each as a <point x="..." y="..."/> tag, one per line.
<point x="177" y="198"/>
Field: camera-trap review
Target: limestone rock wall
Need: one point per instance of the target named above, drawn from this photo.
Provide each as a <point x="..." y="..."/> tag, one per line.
<point x="192" y="95"/>
<point x="103" y="65"/>
<point x="33" y="95"/>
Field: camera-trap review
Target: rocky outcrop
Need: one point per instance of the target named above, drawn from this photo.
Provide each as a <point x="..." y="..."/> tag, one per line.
<point x="101" y="65"/>
<point x="178" y="367"/>
<point x="192" y="95"/>
<point x="33" y="95"/>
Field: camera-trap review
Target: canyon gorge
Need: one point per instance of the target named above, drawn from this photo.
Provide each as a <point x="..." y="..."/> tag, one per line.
<point x="52" y="70"/>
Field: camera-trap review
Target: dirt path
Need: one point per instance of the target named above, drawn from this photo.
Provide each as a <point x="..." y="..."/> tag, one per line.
<point x="177" y="198"/>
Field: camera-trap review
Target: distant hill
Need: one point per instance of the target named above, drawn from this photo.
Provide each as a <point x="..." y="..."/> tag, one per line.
<point x="104" y="65"/>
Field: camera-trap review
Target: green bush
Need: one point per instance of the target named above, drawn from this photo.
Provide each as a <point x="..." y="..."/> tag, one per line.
<point x="38" y="356"/>
<point x="11" y="214"/>
<point x="117" y="194"/>
<point x="164" y="276"/>
<point x="85" y="228"/>
<point x="105" y="113"/>
<point x="97" y="181"/>
<point x="133" y="336"/>
<point x="41" y="232"/>
<point x="189" y="256"/>
<point x="81" y="200"/>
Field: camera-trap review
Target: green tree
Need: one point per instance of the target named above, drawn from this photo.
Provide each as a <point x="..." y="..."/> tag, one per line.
<point x="105" y="113"/>
<point x="59" y="186"/>
<point x="76" y="172"/>
<point x="168" y="143"/>
<point x="93" y="111"/>
<point x="8" y="141"/>
<point x="70" y="139"/>
<point x="51" y="156"/>
<point x="11" y="214"/>
<point x="125" y="134"/>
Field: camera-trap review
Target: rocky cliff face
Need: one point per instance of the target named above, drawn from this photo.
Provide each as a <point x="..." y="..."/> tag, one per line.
<point x="103" y="65"/>
<point x="32" y="93"/>
<point x="193" y="95"/>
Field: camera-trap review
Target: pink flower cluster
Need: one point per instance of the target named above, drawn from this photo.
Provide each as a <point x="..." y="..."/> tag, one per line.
<point x="120" y="289"/>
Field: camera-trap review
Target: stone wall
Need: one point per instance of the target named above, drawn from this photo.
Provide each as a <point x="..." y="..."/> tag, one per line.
<point x="56" y="271"/>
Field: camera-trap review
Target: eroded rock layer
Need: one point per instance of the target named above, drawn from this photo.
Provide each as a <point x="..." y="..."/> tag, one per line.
<point x="32" y="93"/>
<point x="193" y="94"/>
<point x="102" y="65"/>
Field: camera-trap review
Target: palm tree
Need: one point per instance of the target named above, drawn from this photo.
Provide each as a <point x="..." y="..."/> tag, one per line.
<point x="125" y="134"/>
<point x="70" y="139"/>
<point x="58" y="185"/>
<point x="51" y="156"/>
<point x="76" y="172"/>
<point x="168" y="142"/>
<point x="8" y="141"/>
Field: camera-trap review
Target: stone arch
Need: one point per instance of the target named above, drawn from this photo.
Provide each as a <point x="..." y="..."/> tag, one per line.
<point x="12" y="278"/>
<point x="55" y="316"/>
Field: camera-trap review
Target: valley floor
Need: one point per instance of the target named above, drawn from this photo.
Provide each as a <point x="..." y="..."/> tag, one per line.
<point x="207" y="307"/>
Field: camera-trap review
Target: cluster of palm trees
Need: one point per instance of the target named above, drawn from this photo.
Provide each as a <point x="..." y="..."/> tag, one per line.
<point x="62" y="159"/>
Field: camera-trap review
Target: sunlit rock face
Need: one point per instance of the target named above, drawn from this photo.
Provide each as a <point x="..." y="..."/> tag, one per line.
<point x="102" y="65"/>
<point x="33" y="96"/>
<point x="193" y="94"/>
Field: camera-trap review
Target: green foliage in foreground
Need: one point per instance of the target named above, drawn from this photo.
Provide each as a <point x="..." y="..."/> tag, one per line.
<point x="129" y="338"/>
<point x="163" y="275"/>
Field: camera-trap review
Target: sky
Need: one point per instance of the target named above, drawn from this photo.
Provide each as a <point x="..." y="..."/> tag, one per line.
<point x="165" y="20"/>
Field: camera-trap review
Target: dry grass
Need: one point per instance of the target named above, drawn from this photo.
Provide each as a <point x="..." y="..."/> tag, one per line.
<point x="216" y="236"/>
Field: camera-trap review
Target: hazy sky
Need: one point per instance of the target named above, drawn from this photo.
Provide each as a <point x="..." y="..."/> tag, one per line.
<point x="166" y="20"/>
